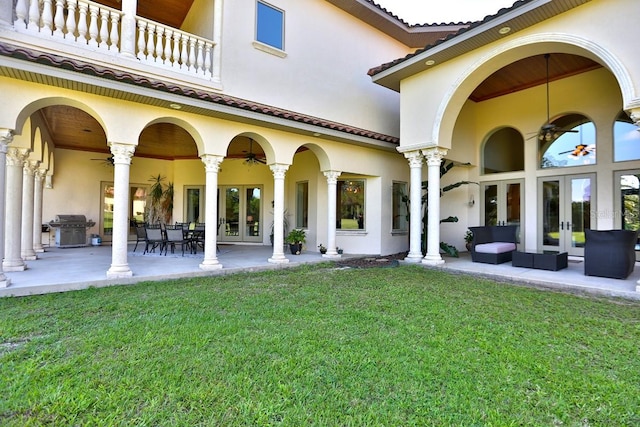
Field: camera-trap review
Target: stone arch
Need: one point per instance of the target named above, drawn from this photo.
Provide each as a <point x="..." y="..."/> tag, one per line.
<point x="34" y="106"/>
<point x="514" y="50"/>
<point x="183" y="124"/>
<point x="265" y="144"/>
<point x="321" y="155"/>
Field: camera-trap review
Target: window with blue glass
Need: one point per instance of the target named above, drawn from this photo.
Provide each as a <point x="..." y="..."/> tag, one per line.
<point x="270" y="25"/>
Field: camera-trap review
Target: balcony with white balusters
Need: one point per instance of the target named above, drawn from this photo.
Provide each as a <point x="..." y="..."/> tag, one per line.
<point x="95" y="32"/>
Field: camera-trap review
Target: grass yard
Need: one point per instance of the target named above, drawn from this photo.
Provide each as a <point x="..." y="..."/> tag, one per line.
<point x="320" y="346"/>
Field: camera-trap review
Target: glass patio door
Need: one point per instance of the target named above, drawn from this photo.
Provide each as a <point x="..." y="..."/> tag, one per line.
<point x="240" y="214"/>
<point x="565" y="205"/>
<point x="503" y="204"/>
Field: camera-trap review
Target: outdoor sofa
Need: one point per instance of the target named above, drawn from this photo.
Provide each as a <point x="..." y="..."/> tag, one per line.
<point x="493" y="244"/>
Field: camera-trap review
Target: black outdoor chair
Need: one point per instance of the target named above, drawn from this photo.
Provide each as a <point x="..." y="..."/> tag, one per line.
<point x="155" y="239"/>
<point x="175" y="236"/>
<point x="141" y="235"/>
<point x="610" y="253"/>
<point x="493" y="244"/>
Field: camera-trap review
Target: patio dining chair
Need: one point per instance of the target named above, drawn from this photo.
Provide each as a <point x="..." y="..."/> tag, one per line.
<point x="141" y="235"/>
<point x="155" y="239"/>
<point x="175" y="236"/>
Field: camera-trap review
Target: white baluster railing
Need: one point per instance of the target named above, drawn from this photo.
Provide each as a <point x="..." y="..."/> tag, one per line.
<point x="91" y="24"/>
<point x="177" y="49"/>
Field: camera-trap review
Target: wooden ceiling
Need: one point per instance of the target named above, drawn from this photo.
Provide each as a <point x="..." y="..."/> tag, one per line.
<point x="168" y="12"/>
<point x="71" y="128"/>
<point x="530" y="72"/>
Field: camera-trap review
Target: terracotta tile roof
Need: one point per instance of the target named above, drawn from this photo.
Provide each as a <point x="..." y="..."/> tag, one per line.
<point x="391" y="14"/>
<point x="48" y="59"/>
<point x="383" y="67"/>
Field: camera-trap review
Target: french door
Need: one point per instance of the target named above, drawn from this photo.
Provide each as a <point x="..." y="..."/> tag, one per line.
<point x="628" y="199"/>
<point x="240" y="214"/>
<point x="503" y="204"/>
<point x="566" y="205"/>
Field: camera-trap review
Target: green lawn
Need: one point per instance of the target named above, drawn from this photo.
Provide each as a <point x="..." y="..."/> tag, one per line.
<point x="319" y="346"/>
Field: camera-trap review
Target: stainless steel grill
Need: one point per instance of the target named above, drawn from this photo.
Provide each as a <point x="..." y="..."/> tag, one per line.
<point x="71" y="230"/>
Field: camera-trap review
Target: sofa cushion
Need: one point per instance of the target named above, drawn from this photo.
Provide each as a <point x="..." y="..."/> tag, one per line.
<point x="495" y="247"/>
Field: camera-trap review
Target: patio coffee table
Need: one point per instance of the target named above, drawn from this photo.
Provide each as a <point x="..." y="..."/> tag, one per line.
<point x="541" y="260"/>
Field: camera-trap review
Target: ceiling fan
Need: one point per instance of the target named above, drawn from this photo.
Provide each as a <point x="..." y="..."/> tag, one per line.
<point x="549" y="132"/>
<point x="251" y="158"/>
<point x="108" y="161"/>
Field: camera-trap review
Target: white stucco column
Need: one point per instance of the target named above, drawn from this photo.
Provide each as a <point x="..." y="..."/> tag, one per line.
<point x="434" y="159"/>
<point x="6" y="136"/>
<point x="122" y="154"/>
<point x="415" y="206"/>
<point x="279" y="171"/>
<point x="332" y="189"/>
<point x="13" y="221"/>
<point x="28" y="183"/>
<point x="6" y="13"/>
<point x="212" y="167"/>
<point x="128" y="28"/>
<point x="37" y="209"/>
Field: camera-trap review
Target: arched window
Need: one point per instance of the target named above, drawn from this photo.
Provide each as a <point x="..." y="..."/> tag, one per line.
<point x="626" y="139"/>
<point x="570" y="142"/>
<point x="503" y="152"/>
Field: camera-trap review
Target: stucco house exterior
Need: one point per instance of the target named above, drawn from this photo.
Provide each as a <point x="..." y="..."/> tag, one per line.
<point x="315" y="114"/>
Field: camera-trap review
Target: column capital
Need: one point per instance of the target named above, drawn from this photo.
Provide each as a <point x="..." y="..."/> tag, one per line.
<point x="279" y="170"/>
<point x="635" y="116"/>
<point x="6" y="137"/>
<point x="122" y="153"/>
<point x="415" y="158"/>
<point x="332" y="176"/>
<point x="16" y="156"/>
<point x="211" y="162"/>
<point x="31" y="166"/>
<point x="434" y="155"/>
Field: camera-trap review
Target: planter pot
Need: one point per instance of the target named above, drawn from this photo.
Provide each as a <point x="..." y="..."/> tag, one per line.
<point x="468" y="246"/>
<point x="295" y="248"/>
<point x="323" y="251"/>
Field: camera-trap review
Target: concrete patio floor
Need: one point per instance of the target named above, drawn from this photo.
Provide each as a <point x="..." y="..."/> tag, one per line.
<point x="60" y="270"/>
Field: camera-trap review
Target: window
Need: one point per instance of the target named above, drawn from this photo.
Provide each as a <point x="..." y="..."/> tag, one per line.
<point x="503" y="152"/>
<point x="626" y="139"/>
<point x="350" y="205"/>
<point x="270" y="25"/>
<point x="302" y="205"/>
<point x="573" y="145"/>
<point x="400" y="212"/>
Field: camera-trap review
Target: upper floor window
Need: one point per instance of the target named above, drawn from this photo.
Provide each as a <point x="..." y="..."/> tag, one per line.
<point x="626" y="139"/>
<point x="270" y="25"/>
<point x="503" y="152"/>
<point x="571" y="142"/>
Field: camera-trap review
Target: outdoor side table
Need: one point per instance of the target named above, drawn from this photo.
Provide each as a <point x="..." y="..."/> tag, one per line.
<point x="543" y="260"/>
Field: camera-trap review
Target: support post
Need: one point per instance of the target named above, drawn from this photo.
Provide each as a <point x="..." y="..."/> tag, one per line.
<point x="15" y="163"/>
<point x="212" y="167"/>
<point x="279" y="171"/>
<point x="332" y="188"/>
<point x="434" y="158"/>
<point x="415" y="206"/>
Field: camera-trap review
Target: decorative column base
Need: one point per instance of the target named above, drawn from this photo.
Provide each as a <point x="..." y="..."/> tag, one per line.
<point x="413" y="258"/>
<point x="4" y="281"/>
<point x="330" y="255"/>
<point x="30" y="257"/>
<point x="210" y="265"/>
<point x="278" y="259"/>
<point x="119" y="272"/>
<point x="432" y="260"/>
<point x="14" y="266"/>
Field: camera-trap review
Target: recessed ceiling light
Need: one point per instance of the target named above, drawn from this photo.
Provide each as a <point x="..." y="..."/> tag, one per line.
<point x="175" y="106"/>
<point x="430" y="62"/>
<point x="504" y="30"/>
<point x="317" y="134"/>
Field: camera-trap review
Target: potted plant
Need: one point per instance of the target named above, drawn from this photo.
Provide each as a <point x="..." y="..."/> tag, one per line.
<point x="295" y="239"/>
<point x="339" y="250"/>
<point x="468" y="238"/>
<point x="322" y="248"/>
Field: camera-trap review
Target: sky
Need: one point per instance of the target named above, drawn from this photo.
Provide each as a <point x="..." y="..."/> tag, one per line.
<point x="443" y="11"/>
